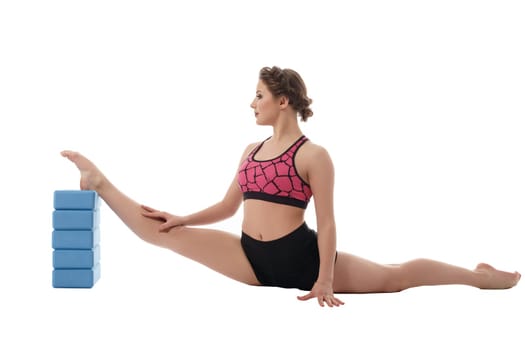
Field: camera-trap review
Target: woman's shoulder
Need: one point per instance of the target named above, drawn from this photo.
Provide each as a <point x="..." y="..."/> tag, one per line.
<point x="313" y="159"/>
<point x="315" y="149"/>
<point x="249" y="148"/>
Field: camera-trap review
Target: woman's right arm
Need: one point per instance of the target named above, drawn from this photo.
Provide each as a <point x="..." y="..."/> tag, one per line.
<point x="222" y="210"/>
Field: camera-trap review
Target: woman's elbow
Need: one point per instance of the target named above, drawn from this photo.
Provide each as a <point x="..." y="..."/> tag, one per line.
<point x="230" y="208"/>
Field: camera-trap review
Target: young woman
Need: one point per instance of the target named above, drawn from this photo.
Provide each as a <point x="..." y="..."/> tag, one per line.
<point x="274" y="182"/>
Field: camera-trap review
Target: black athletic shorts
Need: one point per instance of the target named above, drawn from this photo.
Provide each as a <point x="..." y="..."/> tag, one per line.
<point x="291" y="261"/>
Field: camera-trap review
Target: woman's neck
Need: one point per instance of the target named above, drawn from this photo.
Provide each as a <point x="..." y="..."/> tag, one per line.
<point x="286" y="128"/>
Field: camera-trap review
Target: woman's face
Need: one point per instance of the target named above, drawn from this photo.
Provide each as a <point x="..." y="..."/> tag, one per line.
<point x="265" y="106"/>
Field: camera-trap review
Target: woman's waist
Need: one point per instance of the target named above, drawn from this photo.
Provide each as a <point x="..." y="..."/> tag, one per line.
<point x="268" y="221"/>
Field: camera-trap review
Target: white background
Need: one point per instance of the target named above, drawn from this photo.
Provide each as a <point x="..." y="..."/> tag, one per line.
<point x="420" y="104"/>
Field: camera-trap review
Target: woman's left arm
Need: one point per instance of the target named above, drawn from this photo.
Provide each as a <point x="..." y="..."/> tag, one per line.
<point x="321" y="180"/>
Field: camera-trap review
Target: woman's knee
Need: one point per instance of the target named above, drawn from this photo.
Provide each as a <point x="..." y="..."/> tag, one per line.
<point x="395" y="280"/>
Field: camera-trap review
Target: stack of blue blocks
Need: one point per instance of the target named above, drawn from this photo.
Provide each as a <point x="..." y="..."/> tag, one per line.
<point x="76" y="239"/>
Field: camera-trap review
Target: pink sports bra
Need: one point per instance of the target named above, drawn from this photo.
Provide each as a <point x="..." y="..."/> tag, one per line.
<point x="275" y="180"/>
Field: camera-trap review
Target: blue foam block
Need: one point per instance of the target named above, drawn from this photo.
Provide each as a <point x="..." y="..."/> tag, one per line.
<point x="76" y="239"/>
<point x="75" y="219"/>
<point x="76" y="199"/>
<point x="76" y="278"/>
<point x="76" y="258"/>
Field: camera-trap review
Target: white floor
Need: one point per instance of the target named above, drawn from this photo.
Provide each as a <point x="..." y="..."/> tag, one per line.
<point x="166" y="312"/>
<point x="420" y="105"/>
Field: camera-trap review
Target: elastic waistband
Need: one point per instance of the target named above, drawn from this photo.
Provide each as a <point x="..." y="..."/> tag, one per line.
<point x="290" y="237"/>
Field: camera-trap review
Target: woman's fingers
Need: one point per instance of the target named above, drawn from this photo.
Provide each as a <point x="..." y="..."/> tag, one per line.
<point x="155" y="215"/>
<point x="148" y="209"/>
<point x="165" y="227"/>
<point x="151" y="214"/>
<point x="330" y="300"/>
<point x="306" y="296"/>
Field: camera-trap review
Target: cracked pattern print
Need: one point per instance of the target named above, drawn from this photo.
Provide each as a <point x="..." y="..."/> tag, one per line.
<point x="276" y="177"/>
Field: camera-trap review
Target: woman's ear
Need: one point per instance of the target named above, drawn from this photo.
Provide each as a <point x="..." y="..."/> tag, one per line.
<point x="283" y="102"/>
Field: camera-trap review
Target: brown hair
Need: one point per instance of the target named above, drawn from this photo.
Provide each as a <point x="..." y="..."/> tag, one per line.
<point x="287" y="82"/>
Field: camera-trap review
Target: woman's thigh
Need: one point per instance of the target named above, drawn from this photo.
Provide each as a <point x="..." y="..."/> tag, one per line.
<point x="218" y="250"/>
<point x="353" y="274"/>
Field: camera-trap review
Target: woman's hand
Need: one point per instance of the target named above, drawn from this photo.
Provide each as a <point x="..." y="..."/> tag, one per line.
<point x="168" y="220"/>
<point x="324" y="294"/>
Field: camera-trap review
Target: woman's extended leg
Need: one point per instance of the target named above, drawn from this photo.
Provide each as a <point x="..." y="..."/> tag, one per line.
<point x="356" y="275"/>
<point x="218" y="250"/>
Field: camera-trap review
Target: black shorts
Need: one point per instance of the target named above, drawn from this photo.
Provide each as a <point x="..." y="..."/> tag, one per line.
<point x="291" y="261"/>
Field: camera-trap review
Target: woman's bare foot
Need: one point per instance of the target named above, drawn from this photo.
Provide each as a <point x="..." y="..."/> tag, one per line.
<point x="496" y="279"/>
<point x="91" y="178"/>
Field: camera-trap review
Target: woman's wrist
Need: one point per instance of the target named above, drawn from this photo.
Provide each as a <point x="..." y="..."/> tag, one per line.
<point x="325" y="281"/>
<point x="185" y="220"/>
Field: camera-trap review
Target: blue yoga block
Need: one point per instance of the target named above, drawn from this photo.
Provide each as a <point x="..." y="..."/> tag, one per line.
<point x="75" y="219"/>
<point x="76" y="199"/>
<point x="76" y="258"/>
<point x="76" y="278"/>
<point x="76" y="239"/>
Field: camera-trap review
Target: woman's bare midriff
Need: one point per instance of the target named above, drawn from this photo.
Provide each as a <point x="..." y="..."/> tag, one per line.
<point x="266" y="221"/>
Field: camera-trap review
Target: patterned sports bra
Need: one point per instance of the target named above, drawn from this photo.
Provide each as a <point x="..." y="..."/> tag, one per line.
<point x="275" y="180"/>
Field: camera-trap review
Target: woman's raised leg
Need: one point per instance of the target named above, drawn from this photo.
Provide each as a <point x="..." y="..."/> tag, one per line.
<point x="353" y="274"/>
<point x="218" y="250"/>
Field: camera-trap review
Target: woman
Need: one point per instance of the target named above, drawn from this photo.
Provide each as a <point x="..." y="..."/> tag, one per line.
<point x="275" y="181"/>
